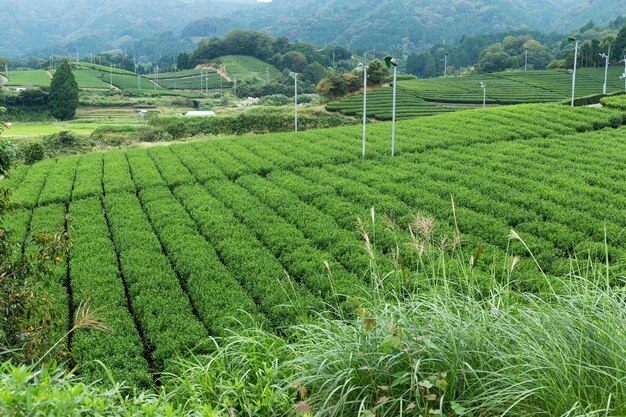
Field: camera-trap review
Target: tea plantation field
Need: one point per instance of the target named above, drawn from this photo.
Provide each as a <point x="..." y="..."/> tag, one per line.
<point x="379" y="104"/>
<point x="173" y="243"/>
<point x="516" y="86"/>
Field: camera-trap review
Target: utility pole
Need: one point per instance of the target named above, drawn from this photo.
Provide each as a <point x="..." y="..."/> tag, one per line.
<point x="111" y="75"/>
<point x="445" y="65"/>
<point x="235" y="87"/>
<point x="267" y="75"/>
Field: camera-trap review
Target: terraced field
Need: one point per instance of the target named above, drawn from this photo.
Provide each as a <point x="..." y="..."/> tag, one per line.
<point x="175" y="242"/>
<point x="194" y="82"/>
<point x="247" y="67"/>
<point x="515" y="86"/>
<point x="35" y="78"/>
<point x="379" y="104"/>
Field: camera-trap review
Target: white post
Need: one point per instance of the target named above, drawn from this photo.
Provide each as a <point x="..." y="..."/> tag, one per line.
<point x="445" y="65"/>
<point x="624" y="75"/>
<point x="295" y="77"/>
<point x="364" y="107"/>
<point x="526" y="60"/>
<point x="393" y="111"/>
<point x="111" y="75"/>
<point x="484" y="87"/>
<point x="574" y="73"/>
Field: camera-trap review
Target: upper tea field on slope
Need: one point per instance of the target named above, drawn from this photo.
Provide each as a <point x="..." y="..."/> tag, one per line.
<point x="173" y="242"/>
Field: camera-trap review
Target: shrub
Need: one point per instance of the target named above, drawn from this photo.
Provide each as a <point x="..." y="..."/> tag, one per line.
<point x="32" y="152"/>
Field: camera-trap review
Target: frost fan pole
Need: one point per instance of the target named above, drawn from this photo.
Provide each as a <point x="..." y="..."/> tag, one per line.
<point x="624" y="74"/>
<point x="389" y="61"/>
<point x="295" y="99"/>
<point x="364" y="68"/>
<point x="575" y="64"/>
<point x="484" y="87"/>
<point x="606" y="57"/>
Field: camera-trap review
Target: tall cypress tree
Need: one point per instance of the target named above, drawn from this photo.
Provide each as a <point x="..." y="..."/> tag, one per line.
<point x="63" y="99"/>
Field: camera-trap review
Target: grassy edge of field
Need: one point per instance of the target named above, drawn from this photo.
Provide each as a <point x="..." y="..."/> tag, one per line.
<point x="448" y="348"/>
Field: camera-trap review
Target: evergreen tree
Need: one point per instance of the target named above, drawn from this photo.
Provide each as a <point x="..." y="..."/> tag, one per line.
<point x="377" y="72"/>
<point x="63" y="98"/>
<point x="620" y="42"/>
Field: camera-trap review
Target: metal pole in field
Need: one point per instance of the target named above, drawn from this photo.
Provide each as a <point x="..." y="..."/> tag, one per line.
<point x="111" y="75"/>
<point x="574" y="72"/>
<point x="484" y="87"/>
<point x="606" y="69"/>
<point x="295" y="99"/>
<point x="624" y="74"/>
<point x="364" y="68"/>
<point x="267" y="75"/>
<point x="235" y="87"/>
<point x="445" y="65"/>
<point x="526" y="59"/>
<point x="389" y="61"/>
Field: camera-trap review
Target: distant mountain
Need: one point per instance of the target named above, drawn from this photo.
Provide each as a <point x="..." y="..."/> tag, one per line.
<point x="383" y="24"/>
<point x="39" y="24"/>
<point x="94" y="25"/>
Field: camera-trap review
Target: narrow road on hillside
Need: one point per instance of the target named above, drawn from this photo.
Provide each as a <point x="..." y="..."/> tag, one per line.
<point x="3" y="79"/>
<point x="49" y="74"/>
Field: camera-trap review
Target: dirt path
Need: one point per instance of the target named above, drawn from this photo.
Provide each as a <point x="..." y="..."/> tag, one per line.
<point x="220" y="70"/>
<point x="3" y="79"/>
<point x="49" y="73"/>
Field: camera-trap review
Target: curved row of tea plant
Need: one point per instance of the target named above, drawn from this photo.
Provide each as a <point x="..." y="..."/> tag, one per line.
<point x="268" y="229"/>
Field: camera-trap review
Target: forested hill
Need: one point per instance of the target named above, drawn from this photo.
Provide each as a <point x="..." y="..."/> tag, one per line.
<point x="381" y="23"/>
<point x="91" y="26"/>
<point x="98" y="24"/>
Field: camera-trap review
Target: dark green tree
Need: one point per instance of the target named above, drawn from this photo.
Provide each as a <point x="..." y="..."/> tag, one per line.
<point x="63" y="99"/>
<point x="377" y="72"/>
<point x="182" y="61"/>
<point x="620" y="42"/>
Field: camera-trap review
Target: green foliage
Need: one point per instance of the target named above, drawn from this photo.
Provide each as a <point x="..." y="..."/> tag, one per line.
<point x="30" y="323"/>
<point x="620" y="42"/>
<point x="32" y="152"/>
<point x="511" y="54"/>
<point x="63" y="99"/>
<point x="7" y="150"/>
<point x="245" y="123"/>
<point x="616" y="102"/>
